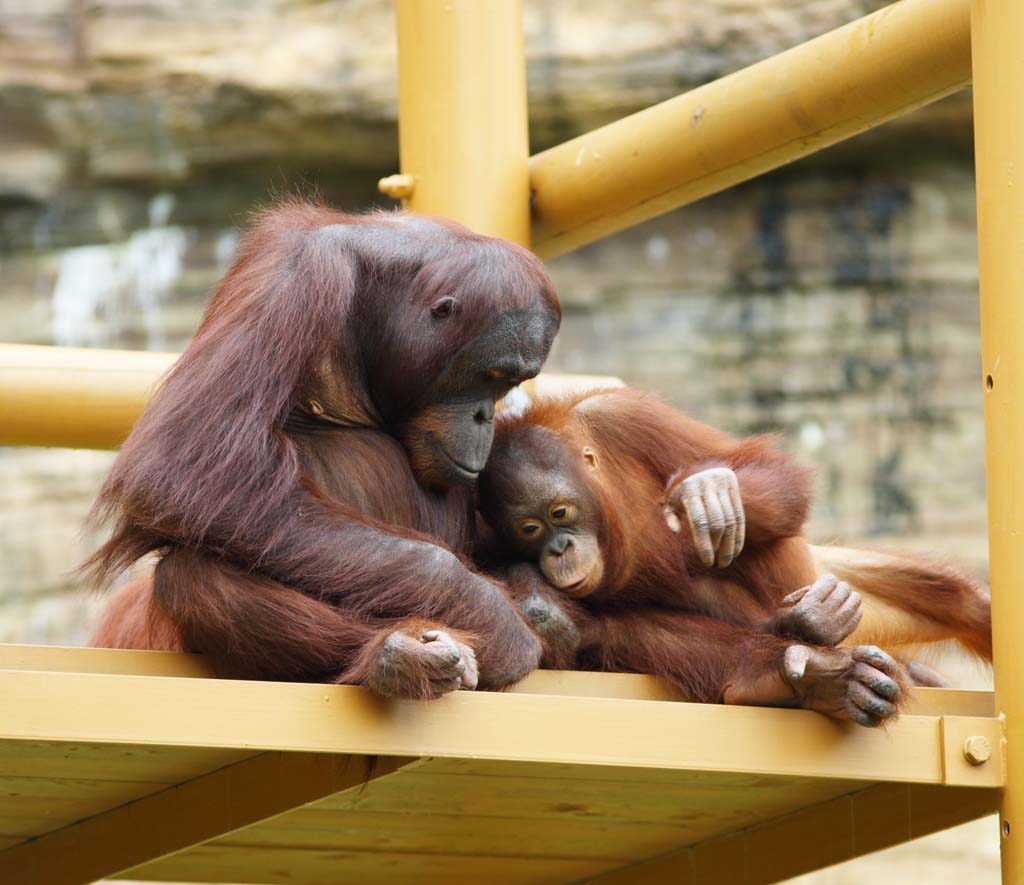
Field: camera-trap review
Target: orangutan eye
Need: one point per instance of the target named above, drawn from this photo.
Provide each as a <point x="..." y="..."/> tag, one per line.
<point x="562" y="513"/>
<point x="444" y="307"/>
<point x="528" y="530"/>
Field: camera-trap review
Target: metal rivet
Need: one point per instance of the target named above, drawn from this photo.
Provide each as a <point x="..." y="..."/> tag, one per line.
<point x="977" y="750"/>
<point x="398" y="187"/>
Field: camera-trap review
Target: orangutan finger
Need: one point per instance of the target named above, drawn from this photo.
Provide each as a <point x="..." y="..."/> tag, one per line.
<point x="794" y="597"/>
<point x="471" y="672"/>
<point x="700" y="528"/>
<point x="880" y="660"/>
<point x="795" y="662"/>
<point x="861" y="717"/>
<point x="848" y="623"/>
<point x="727" y="546"/>
<point x="821" y="590"/>
<point x="876" y="680"/>
<point x="870" y="702"/>
<point x="716" y="518"/>
<point x="672" y="519"/>
<point x="741" y="516"/>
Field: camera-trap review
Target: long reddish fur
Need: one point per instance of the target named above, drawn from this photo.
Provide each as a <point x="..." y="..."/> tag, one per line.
<point x="288" y="549"/>
<point x="660" y="610"/>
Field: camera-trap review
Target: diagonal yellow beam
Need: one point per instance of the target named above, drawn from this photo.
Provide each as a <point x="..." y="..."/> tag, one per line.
<point x="186" y="815"/>
<point x="764" y="116"/>
<point x="814" y="837"/>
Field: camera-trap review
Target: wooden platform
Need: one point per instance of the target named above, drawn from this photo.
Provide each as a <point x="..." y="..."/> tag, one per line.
<point x="135" y="764"/>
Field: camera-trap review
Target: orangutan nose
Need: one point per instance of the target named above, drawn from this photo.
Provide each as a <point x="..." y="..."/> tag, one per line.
<point x="484" y="413"/>
<point x="560" y="545"/>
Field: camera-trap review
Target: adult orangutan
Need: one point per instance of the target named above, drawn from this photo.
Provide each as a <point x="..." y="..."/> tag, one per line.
<point x="304" y="473"/>
<point x="594" y="489"/>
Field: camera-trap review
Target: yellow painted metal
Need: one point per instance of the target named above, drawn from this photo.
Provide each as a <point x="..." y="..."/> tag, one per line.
<point x="774" y="112"/>
<point x="167" y="821"/>
<point x="97" y="708"/>
<point x="565" y="683"/>
<point x="998" y="48"/>
<point x="88" y="751"/>
<point x="90" y="398"/>
<point x="814" y="837"/>
<point x="958" y="769"/>
<point x="79" y="398"/>
<point x="462" y="112"/>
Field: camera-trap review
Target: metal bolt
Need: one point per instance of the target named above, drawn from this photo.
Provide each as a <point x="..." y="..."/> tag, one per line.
<point x="977" y="750"/>
<point x="398" y="187"/>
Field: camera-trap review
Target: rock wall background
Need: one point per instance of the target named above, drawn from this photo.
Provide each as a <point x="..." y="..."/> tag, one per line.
<point x="834" y="302"/>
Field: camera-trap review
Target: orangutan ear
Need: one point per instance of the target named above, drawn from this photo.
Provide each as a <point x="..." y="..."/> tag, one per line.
<point x="590" y="456"/>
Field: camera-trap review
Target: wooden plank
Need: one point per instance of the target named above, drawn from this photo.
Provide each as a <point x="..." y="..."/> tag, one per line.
<point x="814" y="837"/>
<point x="179" y="817"/>
<point x="284" y="866"/>
<point x="363" y="830"/>
<point x="346" y="719"/>
<point x="112" y="762"/>
<point x="24" y="827"/>
<point x="608" y="817"/>
<point x="704" y="808"/>
<point x="62" y="800"/>
<point x="612" y="775"/>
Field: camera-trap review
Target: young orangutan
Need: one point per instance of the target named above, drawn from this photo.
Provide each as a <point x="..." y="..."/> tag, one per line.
<point x="569" y="487"/>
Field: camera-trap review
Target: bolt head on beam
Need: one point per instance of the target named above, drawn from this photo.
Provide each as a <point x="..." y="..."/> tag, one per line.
<point x="977" y="749"/>
<point x="398" y="187"/>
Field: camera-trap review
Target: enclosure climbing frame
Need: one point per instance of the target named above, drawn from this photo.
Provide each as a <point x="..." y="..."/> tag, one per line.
<point x="139" y="765"/>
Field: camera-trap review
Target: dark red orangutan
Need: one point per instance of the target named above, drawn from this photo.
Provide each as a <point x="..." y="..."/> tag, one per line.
<point x="304" y="473"/>
<point x="594" y="489"/>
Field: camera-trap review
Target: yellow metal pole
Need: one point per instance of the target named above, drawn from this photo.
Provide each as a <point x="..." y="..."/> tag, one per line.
<point x="998" y="48"/>
<point x="462" y="113"/>
<point x="771" y="113"/>
<point x="65" y="396"/>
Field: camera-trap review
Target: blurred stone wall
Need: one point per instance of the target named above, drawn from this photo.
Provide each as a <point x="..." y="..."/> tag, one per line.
<point x="834" y="301"/>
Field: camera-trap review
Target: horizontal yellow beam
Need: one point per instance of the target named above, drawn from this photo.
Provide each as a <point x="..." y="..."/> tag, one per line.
<point x="90" y="398"/>
<point x="771" y="113"/>
<point x="78" y="398"/>
<point x="566" y="683"/>
<point x="169" y="711"/>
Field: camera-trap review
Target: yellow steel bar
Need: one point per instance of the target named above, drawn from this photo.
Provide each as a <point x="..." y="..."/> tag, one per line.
<point x="947" y="702"/>
<point x="998" y="38"/>
<point x="173" y="712"/>
<point x="813" y="837"/>
<point x="62" y="396"/>
<point x="89" y="398"/>
<point x="462" y="112"/>
<point x="773" y="112"/>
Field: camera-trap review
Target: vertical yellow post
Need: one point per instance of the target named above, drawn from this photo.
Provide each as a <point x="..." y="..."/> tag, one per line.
<point x="998" y="60"/>
<point x="462" y="112"/>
